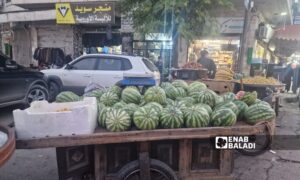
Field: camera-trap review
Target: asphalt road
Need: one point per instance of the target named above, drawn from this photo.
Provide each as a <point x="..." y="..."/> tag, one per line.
<point x="40" y="164"/>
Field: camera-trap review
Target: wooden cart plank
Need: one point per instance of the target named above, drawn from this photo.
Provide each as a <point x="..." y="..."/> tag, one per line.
<point x="185" y="154"/>
<point x="100" y="162"/>
<point x="105" y="137"/>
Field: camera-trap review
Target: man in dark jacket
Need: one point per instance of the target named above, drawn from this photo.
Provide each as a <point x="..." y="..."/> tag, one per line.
<point x="208" y="64"/>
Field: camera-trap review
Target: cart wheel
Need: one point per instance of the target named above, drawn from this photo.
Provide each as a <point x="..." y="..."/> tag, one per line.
<point x="158" y="171"/>
<point x="262" y="144"/>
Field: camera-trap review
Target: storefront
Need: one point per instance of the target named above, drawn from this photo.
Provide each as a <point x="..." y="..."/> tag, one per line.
<point x="98" y="27"/>
<point x="223" y="51"/>
<point x="223" y="48"/>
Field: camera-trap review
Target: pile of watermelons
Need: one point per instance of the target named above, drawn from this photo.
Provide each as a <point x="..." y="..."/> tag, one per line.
<point x="173" y="105"/>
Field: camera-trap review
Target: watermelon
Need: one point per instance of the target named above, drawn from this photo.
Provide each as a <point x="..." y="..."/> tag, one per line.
<point x="131" y="95"/>
<point x="249" y="98"/>
<point x="223" y="117"/>
<point x="180" y="83"/>
<point x="102" y="116"/>
<point x="130" y="109"/>
<point x="171" y="117"/>
<point x="205" y="97"/>
<point x="205" y="106"/>
<point x="157" y="107"/>
<point x="95" y="93"/>
<point x="165" y="85"/>
<point x="228" y="104"/>
<point x="188" y="101"/>
<point x="259" y="112"/>
<point x="133" y="87"/>
<point x="181" y="92"/>
<point x="196" y="117"/>
<point x="155" y="94"/>
<point x="265" y="103"/>
<point x="67" y="96"/>
<point x="219" y="99"/>
<point x="169" y="101"/>
<point x="196" y="87"/>
<point x="143" y="102"/>
<point x="116" y="89"/>
<point x="178" y="104"/>
<point x="146" y="118"/>
<point x="109" y="98"/>
<point x="171" y="92"/>
<point x="257" y="101"/>
<point x="228" y="96"/>
<point x="242" y="108"/>
<point x="117" y="120"/>
<point x="119" y="105"/>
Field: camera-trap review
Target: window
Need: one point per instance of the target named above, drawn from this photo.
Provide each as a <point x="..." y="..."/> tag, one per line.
<point x="85" y="64"/>
<point x="111" y="64"/>
<point x="150" y="65"/>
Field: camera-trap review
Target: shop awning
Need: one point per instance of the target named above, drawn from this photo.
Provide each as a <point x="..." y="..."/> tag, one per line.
<point x="291" y="32"/>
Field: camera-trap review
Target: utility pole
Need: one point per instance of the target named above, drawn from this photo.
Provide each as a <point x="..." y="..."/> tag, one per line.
<point x="244" y="42"/>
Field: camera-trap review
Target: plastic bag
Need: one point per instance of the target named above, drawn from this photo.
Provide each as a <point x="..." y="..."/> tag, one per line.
<point x="92" y="87"/>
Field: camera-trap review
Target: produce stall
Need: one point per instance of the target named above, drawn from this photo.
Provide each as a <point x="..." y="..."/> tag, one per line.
<point x="166" y="132"/>
<point x="188" y="153"/>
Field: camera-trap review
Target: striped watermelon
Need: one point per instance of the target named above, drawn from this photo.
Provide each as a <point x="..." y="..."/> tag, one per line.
<point x="223" y="117"/>
<point x="67" y="96"/>
<point x="102" y="116"/>
<point x="205" y="97"/>
<point x="171" y="117"/>
<point x="131" y="95"/>
<point x="169" y="101"/>
<point x="157" y="107"/>
<point x="180" y="83"/>
<point x="130" y="109"/>
<point x="119" y="105"/>
<point x="178" y="104"/>
<point x="165" y="85"/>
<point x="116" y="89"/>
<point x="155" y="94"/>
<point x="134" y="87"/>
<point x="117" y="120"/>
<point x="171" y="92"/>
<point x="109" y="98"/>
<point x="205" y="106"/>
<point x="242" y="108"/>
<point x="181" y="92"/>
<point x="188" y="101"/>
<point x="95" y="93"/>
<point x="228" y="96"/>
<point x="219" y="99"/>
<point x="196" y="117"/>
<point x="249" y="98"/>
<point x="143" y="102"/>
<point x="259" y="112"/>
<point x="196" y="87"/>
<point x="227" y="104"/>
<point x="146" y="118"/>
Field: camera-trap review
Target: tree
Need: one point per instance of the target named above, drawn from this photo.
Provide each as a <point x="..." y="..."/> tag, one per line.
<point x="185" y="18"/>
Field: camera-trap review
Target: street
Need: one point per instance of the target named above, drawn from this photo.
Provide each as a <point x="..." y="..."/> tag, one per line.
<point x="40" y="164"/>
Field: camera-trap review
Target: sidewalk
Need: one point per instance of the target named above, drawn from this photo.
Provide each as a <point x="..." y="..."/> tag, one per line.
<point x="281" y="165"/>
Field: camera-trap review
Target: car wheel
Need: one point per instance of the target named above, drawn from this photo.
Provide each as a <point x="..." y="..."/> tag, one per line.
<point x="53" y="91"/>
<point x="36" y="93"/>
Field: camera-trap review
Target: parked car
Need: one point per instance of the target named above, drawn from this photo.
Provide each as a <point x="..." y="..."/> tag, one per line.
<point x="19" y="85"/>
<point x="103" y="69"/>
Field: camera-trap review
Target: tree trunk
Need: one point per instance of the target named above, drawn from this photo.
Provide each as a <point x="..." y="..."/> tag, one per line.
<point x="175" y="40"/>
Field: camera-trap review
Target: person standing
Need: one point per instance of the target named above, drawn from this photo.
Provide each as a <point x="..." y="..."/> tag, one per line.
<point x="208" y="64"/>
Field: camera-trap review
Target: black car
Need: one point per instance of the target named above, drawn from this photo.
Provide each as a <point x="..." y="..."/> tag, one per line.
<point x="20" y="85"/>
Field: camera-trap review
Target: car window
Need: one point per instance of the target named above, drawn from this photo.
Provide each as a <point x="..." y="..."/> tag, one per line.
<point x="113" y="64"/>
<point x="85" y="64"/>
<point x="150" y="65"/>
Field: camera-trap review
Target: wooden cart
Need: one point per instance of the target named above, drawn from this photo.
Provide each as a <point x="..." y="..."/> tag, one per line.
<point x="166" y="154"/>
<point x="9" y="147"/>
<point x="219" y="86"/>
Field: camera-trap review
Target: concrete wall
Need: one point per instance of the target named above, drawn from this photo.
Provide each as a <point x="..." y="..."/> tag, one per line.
<point x="56" y="36"/>
<point x="22" y="47"/>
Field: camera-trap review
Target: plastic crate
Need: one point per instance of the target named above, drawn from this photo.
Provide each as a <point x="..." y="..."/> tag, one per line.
<point x="137" y="81"/>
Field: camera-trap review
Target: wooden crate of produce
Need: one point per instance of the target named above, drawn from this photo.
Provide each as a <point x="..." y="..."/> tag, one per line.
<point x="219" y="86"/>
